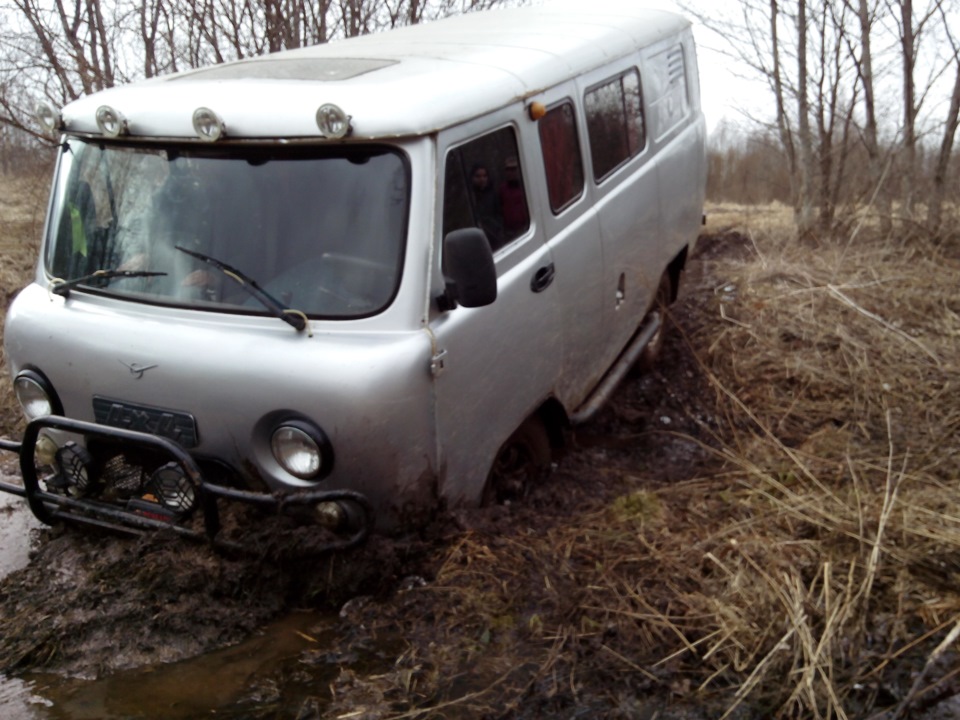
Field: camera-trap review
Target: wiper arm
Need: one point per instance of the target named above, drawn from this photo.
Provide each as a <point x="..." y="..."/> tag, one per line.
<point x="63" y="287"/>
<point x="292" y="317"/>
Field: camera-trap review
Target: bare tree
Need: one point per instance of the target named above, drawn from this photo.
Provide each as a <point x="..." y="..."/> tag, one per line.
<point x="911" y="31"/>
<point x="862" y="56"/>
<point x="941" y="168"/>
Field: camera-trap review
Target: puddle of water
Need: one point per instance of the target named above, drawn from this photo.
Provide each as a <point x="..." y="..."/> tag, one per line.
<point x="260" y="677"/>
<point x="17" y="700"/>
<point x="220" y="683"/>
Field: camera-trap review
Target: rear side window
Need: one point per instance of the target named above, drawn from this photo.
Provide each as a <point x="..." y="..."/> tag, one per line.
<point x="670" y="104"/>
<point x="561" y="156"/>
<point x="483" y="187"/>
<point x="615" y="122"/>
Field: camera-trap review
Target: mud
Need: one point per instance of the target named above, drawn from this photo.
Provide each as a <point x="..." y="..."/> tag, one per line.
<point x="388" y="631"/>
<point x="92" y="605"/>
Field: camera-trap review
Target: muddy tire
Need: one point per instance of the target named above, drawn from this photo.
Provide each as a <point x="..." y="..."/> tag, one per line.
<point x="523" y="459"/>
<point x="651" y="353"/>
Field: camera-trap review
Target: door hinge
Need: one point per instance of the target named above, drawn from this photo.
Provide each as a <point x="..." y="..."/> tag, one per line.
<point x="436" y="362"/>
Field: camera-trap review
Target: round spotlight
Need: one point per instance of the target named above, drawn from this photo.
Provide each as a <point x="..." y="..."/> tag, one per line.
<point x="173" y="489"/>
<point x="49" y="118"/>
<point x="331" y="515"/>
<point x="208" y="125"/>
<point x="302" y="449"/>
<point x="36" y="396"/>
<point x="111" y="122"/>
<point x="45" y="453"/>
<point x="75" y="475"/>
<point x="333" y="122"/>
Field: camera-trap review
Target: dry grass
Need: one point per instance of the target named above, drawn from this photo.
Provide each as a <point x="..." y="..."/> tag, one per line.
<point x="813" y="572"/>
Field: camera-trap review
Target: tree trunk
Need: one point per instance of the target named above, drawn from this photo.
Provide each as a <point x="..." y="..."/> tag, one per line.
<point x="870" y="141"/>
<point x="908" y="57"/>
<point x="805" y="196"/>
<point x="940" y="173"/>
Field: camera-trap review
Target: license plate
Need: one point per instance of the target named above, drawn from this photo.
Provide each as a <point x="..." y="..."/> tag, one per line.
<point x="173" y="424"/>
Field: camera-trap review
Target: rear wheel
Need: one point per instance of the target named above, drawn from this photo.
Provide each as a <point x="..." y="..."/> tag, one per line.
<point x="651" y="353"/>
<point x="523" y="459"/>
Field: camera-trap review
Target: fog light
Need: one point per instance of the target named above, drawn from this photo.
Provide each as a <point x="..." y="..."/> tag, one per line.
<point x="302" y="449"/>
<point x="45" y="451"/>
<point x="331" y="515"/>
<point x="173" y="489"/>
<point x="75" y="475"/>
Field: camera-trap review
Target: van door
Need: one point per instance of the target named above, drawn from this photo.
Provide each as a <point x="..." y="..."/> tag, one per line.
<point x="493" y="365"/>
<point x="628" y="201"/>
<point x="572" y="229"/>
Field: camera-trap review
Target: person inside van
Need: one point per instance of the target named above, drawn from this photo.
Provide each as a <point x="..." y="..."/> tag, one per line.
<point x="513" y="201"/>
<point x="486" y="205"/>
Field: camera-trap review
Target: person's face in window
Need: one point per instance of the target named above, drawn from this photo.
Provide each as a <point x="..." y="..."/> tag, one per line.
<point x="480" y="179"/>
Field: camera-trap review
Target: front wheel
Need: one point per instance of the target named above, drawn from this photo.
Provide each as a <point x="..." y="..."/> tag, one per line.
<point x="523" y="459"/>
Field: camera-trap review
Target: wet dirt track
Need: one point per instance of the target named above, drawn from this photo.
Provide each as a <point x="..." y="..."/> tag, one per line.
<point x="122" y="609"/>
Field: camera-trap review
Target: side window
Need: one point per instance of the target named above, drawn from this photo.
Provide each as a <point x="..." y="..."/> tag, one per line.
<point x="669" y="92"/>
<point x="483" y="187"/>
<point x="561" y="156"/>
<point x="615" y="122"/>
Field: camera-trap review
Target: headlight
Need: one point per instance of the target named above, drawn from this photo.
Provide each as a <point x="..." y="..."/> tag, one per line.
<point x="302" y="449"/>
<point x="36" y="396"/>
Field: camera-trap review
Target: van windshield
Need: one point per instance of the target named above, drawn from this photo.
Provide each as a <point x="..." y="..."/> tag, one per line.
<point x="322" y="230"/>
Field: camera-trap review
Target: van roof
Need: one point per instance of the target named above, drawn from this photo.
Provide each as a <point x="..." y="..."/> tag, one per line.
<point x="405" y="82"/>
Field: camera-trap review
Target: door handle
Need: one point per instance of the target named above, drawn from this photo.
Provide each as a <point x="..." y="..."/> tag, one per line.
<point x="542" y="278"/>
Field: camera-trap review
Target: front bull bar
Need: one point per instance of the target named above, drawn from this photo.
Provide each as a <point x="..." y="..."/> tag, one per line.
<point x="50" y="508"/>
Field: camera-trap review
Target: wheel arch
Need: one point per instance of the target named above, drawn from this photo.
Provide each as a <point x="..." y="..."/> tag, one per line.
<point x="675" y="271"/>
<point x="554" y="417"/>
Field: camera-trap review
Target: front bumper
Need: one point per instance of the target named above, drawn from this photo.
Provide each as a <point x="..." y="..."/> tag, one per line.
<point x="51" y="507"/>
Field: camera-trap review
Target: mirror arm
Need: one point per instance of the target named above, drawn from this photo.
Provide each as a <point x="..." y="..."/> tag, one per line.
<point x="447" y="301"/>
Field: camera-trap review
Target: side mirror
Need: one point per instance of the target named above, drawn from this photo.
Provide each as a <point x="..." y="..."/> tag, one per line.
<point x="468" y="269"/>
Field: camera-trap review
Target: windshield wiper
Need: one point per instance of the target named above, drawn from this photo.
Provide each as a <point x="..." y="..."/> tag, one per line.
<point x="292" y="317"/>
<point x="63" y="287"/>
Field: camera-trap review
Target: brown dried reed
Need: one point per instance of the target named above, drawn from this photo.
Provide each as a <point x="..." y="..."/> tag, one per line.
<point x="813" y="571"/>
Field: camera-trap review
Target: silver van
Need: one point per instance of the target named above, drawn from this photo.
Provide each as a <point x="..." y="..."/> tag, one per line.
<point x="366" y="278"/>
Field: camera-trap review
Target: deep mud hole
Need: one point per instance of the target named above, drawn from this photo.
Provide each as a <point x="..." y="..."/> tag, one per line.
<point x="89" y="605"/>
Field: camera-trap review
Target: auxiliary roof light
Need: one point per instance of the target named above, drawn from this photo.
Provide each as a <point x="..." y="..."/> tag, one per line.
<point x="536" y="110"/>
<point x="333" y="122"/>
<point x="111" y="122"/>
<point x="50" y="118"/>
<point x="208" y="124"/>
